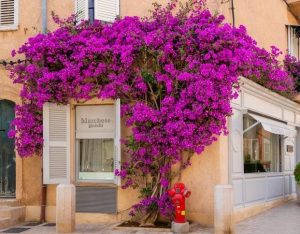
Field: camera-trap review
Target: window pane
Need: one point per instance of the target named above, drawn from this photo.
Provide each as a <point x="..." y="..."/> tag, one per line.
<point x="96" y="159"/>
<point x="262" y="149"/>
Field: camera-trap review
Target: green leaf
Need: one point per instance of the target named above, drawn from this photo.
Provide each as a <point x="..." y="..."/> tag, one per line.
<point x="147" y="77"/>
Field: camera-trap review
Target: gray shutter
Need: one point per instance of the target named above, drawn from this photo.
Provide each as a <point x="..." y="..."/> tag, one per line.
<point x="106" y="10"/>
<point x="8" y="13"/>
<point x="96" y="200"/>
<point x="81" y="10"/>
<point x="56" y="151"/>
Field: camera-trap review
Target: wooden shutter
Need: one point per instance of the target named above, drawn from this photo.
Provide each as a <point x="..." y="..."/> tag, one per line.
<point x="56" y="151"/>
<point x="118" y="141"/>
<point x="8" y="14"/>
<point x="106" y="10"/>
<point x="81" y="10"/>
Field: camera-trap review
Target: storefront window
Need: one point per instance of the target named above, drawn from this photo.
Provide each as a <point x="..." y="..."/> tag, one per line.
<point x="96" y="159"/>
<point x="95" y="142"/>
<point x="262" y="149"/>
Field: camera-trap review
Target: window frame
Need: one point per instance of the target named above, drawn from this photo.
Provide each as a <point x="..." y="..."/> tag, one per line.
<point x="77" y="168"/>
<point x="291" y="35"/>
<point x="279" y="161"/>
<point x="117" y="148"/>
<point x="14" y="26"/>
<point x="94" y="7"/>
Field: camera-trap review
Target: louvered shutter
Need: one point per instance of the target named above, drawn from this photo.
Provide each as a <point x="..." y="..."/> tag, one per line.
<point x="56" y="151"/>
<point x="81" y="10"/>
<point x="8" y="14"/>
<point x="106" y="10"/>
<point x="118" y="140"/>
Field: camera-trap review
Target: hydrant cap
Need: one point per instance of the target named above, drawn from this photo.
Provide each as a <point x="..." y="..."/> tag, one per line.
<point x="180" y="186"/>
<point x="171" y="192"/>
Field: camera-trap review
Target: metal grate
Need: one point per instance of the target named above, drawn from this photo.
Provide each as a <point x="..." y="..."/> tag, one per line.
<point x="49" y="225"/>
<point x="16" y="230"/>
<point x="32" y="224"/>
<point x="96" y="200"/>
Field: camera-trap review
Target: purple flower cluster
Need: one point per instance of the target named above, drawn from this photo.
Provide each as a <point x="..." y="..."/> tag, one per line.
<point x="175" y="74"/>
<point x="292" y="65"/>
<point x="163" y="204"/>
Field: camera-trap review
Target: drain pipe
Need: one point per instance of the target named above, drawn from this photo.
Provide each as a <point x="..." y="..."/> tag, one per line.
<point x="44" y="16"/>
<point x="232" y="13"/>
<point x="91" y="12"/>
<point x="44" y="186"/>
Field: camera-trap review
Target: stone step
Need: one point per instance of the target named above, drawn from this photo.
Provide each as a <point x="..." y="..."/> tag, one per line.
<point x="5" y="222"/>
<point x="14" y="213"/>
<point x="11" y="212"/>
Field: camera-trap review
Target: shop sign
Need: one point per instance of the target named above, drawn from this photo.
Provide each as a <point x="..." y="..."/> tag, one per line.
<point x="95" y="118"/>
<point x="289" y="148"/>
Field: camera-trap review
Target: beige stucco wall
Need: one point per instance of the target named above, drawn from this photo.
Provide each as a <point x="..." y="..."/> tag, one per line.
<point x="265" y="20"/>
<point x="207" y="170"/>
<point x="28" y="172"/>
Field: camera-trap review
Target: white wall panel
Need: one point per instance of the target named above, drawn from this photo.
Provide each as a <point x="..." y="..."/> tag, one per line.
<point x="288" y="116"/>
<point x="293" y="183"/>
<point x="287" y="163"/>
<point x="298" y="118"/>
<point x="262" y="106"/>
<point x="255" y="190"/>
<point x="275" y="187"/>
<point x="287" y="185"/>
<point x="237" y="192"/>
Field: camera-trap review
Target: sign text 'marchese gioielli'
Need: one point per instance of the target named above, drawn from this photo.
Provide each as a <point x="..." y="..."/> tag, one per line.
<point x="95" y="123"/>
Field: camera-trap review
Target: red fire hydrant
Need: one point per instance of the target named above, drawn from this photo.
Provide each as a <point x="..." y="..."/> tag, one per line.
<point x="178" y="194"/>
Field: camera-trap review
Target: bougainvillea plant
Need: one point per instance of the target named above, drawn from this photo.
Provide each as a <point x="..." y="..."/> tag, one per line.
<point x="175" y="73"/>
<point x="292" y="65"/>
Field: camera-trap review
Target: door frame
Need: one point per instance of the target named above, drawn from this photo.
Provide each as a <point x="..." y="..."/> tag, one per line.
<point x="11" y="93"/>
<point x="8" y="174"/>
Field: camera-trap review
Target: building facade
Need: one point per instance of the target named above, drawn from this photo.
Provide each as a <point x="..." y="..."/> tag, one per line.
<point x="257" y="157"/>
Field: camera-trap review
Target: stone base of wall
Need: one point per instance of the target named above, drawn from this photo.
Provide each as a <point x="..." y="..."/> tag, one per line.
<point x="33" y="213"/>
<point x="242" y="213"/>
<point x="200" y="217"/>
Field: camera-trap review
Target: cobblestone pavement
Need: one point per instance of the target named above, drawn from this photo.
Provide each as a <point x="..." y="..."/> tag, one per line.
<point x="284" y="219"/>
<point x="104" y="229"/>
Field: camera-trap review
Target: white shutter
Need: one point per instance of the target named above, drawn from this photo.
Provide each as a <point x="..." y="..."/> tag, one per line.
<point x="106" y="10"/>
<point x="118" y="141"/>
<point x="293" y="42"/>
<point x="81" y="10"/>
<point x="8" y="14"/>
<point x="56" y="151"/>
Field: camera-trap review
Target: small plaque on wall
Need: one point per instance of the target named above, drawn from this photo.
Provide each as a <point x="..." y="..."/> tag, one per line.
<point x="290" y="148"/>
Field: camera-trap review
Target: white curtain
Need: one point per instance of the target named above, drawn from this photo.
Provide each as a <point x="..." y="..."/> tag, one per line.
<point x="96" y="155"/>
